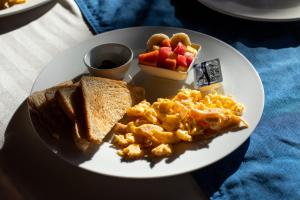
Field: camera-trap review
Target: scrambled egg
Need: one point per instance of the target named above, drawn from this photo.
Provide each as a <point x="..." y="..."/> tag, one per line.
<point x="153" y="129"/>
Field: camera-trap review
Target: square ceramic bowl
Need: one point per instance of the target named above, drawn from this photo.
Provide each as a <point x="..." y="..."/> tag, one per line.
<point x="167" y="73"/>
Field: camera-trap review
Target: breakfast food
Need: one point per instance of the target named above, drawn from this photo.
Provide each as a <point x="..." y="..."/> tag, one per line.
<point x="180" y="37"/>
<point x="176" y="53"/>
<point x="49" y="114"/>
<point x="90" y="107"/>
<point x="66" y="98"/>
<point x="70" y="100"/>
<point x="8" y="3"/>
<point x="154" y="128"/>
<point x="155" y="41"/>
<point x="105" y="102"/>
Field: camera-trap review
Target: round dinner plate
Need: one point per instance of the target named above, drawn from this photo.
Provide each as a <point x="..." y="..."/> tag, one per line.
<point x="240" y="81"/>
<point x="18" y="8"/>
<point x="259" y="10"/>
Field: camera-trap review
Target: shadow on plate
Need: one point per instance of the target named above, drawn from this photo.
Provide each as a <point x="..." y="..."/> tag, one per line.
<point x="152" y="85"/>
<point x="178" y="149"/>
<point x="63" y="147"/>
<point x="200" y="142"/>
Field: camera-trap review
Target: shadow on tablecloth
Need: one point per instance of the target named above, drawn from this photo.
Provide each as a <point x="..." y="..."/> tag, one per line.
<point x="15" y="21"/>
<point x="211" y="185"/>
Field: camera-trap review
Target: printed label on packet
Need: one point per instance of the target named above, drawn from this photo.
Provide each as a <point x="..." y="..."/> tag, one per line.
<point x="207" y="73"/>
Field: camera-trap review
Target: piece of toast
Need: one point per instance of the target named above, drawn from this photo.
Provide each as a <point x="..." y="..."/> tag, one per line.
<point x="47" y="113"/>
<point x="37" y="99"/>
<point x="57" y="114"/>
<point x="70" y="100"/>
<point x="64" y="97"/>
<point x="105" y="102"/>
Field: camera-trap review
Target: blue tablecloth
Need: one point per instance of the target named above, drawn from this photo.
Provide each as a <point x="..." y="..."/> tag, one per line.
<point x="267" y="166"/>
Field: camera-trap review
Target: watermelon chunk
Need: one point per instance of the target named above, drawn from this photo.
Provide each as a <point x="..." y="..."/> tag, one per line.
<point x="149" y="58"/>
<point x="181" y="61"/>
<point x="164" y="53"/>
<point x="180" y="49"/>
<point x="173" y="55"/>
<point x="167" y="63"/>
<point x="189" y="58"/>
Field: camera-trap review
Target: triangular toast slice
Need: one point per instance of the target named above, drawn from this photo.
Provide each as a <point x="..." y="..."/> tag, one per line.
<point x="70" y="100"/>
<point x="50" y="115"/>
<point x="105" y="102"/>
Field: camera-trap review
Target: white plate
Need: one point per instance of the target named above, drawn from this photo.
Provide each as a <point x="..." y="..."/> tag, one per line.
<point x="18" y="8"/>
<point x="240" y="80"/>
<point x="260" y="10"/>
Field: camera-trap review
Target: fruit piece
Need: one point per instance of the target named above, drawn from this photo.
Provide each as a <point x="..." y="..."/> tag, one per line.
<point x="167" y="63"/>
<point x="188" y="54"/>
<point x="170" y="63"/>
<point x="155" y="39"/>
<point x="181" y="69"/>
<point x="148" y="63"/>
<point x="180" y="49"/>
<point x="192" y="50"/>
<point x="149" y="58"/>
<point x="181" y="61"/>
<point x="180" y="37"/>
<point x="189" y="61"/>
<point x="166" y="43"/>
<point x="189" y="58"/>
<point x="173" y="55"/>
<point x="155" y="47"/>
<point x="164" y="53"/>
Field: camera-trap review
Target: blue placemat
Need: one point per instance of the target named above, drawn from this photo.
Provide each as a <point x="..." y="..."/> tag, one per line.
<point x="267" y="166"/>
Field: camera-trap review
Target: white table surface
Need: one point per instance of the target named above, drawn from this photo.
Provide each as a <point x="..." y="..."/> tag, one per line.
<point x="28" y="170"/>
